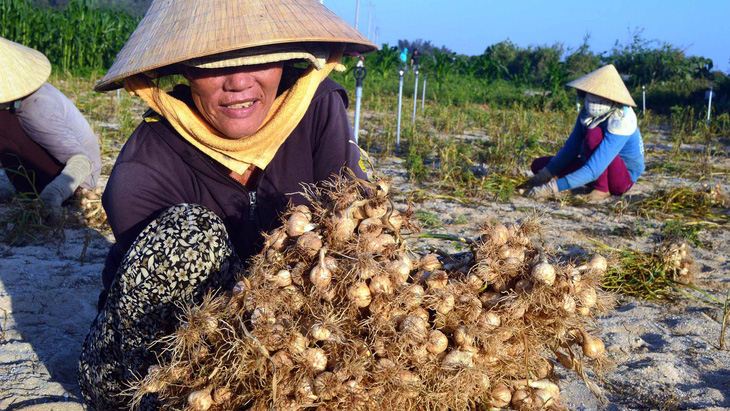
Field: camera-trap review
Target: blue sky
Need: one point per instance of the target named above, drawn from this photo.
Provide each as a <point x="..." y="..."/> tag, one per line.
<point x="701" y="28"/>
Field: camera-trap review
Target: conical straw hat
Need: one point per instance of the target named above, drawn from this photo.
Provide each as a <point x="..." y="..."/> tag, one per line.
<point x="179" y="30"/>
<point x="22" y="70"/>
<point x="605" y="82"/>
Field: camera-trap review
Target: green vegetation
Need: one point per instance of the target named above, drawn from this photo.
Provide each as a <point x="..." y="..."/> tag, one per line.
<point x="648" y="275"/>
<point x="685" y="202"/>
<point x="78" y="38"/>
<point x="679" y="231"/>
<point x="485" y="117"/>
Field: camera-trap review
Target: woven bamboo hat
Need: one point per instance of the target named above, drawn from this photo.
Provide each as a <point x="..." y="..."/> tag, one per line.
<point x="605" y="82"/>
<point x="22" y="70"/>
<point x="175" y="31"/>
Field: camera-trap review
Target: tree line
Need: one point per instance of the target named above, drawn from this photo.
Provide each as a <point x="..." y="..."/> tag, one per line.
<point x="80" y="36"/>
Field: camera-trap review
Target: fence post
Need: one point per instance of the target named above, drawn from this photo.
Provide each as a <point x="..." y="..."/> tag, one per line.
<point x="643" y="99"/>
<point x="415" y="95"/>
<point x="400" y="105"/>
<point x="709" y="104"/>
<point x="360" y="72"/>
<point x="423" y="96"/>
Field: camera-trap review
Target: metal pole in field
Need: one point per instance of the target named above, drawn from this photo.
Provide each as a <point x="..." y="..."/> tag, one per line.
<point x="118" y="96"/>
<point x="643" y="99"/>
<point x="423" y="97"/>
<point x="709" y="104"/>
<point x="360" y="73"/>
<point x="415" y="97"/>
<point x="400" y="105"/>
<point x="357" y="12"/>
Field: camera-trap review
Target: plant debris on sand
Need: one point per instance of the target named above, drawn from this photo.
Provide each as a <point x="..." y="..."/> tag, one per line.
<point x="336" y="312"/>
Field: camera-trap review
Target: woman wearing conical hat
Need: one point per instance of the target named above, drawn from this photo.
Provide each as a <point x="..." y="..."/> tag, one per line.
<point x="47" y="148"/>
<point x="213" y="163"/>
<point x="605" y="149"/>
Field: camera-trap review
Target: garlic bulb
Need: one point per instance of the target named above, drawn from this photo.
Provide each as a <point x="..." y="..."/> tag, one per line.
<point x="343" y="228"/>
<point x="414" y="328"/>
<point x="381" y="284"/>
<point x="315" y="359"/>
<point x="399" y="272"/>
<point x="320" y="275"/>
<point x="501" y="395"/>
<point x="445" y="303"/>
<point x="309" y="244"/>
<point x="497" y="235"/>
<point x="587" y="297"/>
<point x="592" y="347"/>
<point x="319" y="332"/>
<point x="596" y="262"/>
<point x="376" y="208"/>
<point x="277" y="240"/>
<point x="201" y="400"/>
<point x="297" y="343"/>
<point x="393" y="221"/>
<point x="437" y="342"/>
<point x="456" y="360"/>
<point x="282" y="278"/>
<point x="359" y="293"/>
<point x="298" y="224"/>
<point x="437" y="280"/>
<point x="429" y="262"/>
<point x="370" y="227"/>
<point x="543" y="273"/>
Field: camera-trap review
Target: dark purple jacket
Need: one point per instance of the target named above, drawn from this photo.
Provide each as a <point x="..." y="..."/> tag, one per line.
<point x="157" y="169"/>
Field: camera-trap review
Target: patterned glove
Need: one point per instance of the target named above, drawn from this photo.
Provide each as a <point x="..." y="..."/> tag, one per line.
<point x="542" y="177"/>
<point x="544" y="190"/>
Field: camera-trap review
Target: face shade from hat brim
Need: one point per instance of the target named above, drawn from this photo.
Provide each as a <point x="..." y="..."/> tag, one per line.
<point x="317" y="56"/>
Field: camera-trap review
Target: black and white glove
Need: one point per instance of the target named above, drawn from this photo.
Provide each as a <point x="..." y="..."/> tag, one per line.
<point x="542" y="177"/>
<point x="544" y="190"/>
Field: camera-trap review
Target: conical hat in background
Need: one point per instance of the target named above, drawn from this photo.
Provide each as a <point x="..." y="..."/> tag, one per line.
<point x="179" y="30"/>
<point x="22" y="70"/>
<point x="605" y="82"/>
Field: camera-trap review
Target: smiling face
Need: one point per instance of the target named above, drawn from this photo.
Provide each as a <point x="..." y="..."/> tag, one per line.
<point x="235" y="100"/>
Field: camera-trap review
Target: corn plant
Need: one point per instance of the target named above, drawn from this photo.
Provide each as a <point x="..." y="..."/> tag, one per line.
<point x="78" y="38"/>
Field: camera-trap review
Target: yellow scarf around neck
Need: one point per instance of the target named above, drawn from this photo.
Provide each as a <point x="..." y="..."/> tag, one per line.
<point x="237" y="154"/>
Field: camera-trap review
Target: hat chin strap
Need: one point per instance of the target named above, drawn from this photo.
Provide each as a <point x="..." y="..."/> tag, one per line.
<point x="237" y="154"/>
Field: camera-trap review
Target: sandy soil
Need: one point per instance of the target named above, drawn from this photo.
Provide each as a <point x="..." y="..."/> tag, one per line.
<point x="666" y="353"/>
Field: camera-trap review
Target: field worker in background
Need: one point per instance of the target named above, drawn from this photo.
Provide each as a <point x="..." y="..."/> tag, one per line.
<point x="415" y="60"/>
<point x="403" y="58"/>
<point x="604" y="151"/>
<point x="212" y="165"/>
<point x="46" y="145"/>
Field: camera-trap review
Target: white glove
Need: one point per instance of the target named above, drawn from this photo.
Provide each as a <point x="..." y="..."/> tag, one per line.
<point x="544" y="190"/>
<point x="542" y="177"/>
<point x="77" y="169"/>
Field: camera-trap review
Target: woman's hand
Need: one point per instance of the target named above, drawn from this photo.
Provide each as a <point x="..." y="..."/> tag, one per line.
<point x="544" y="190"/>
<point x="542" y="177"/>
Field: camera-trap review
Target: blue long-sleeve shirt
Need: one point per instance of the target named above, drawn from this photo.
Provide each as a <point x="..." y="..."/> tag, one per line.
<point x="629" y="147"/>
